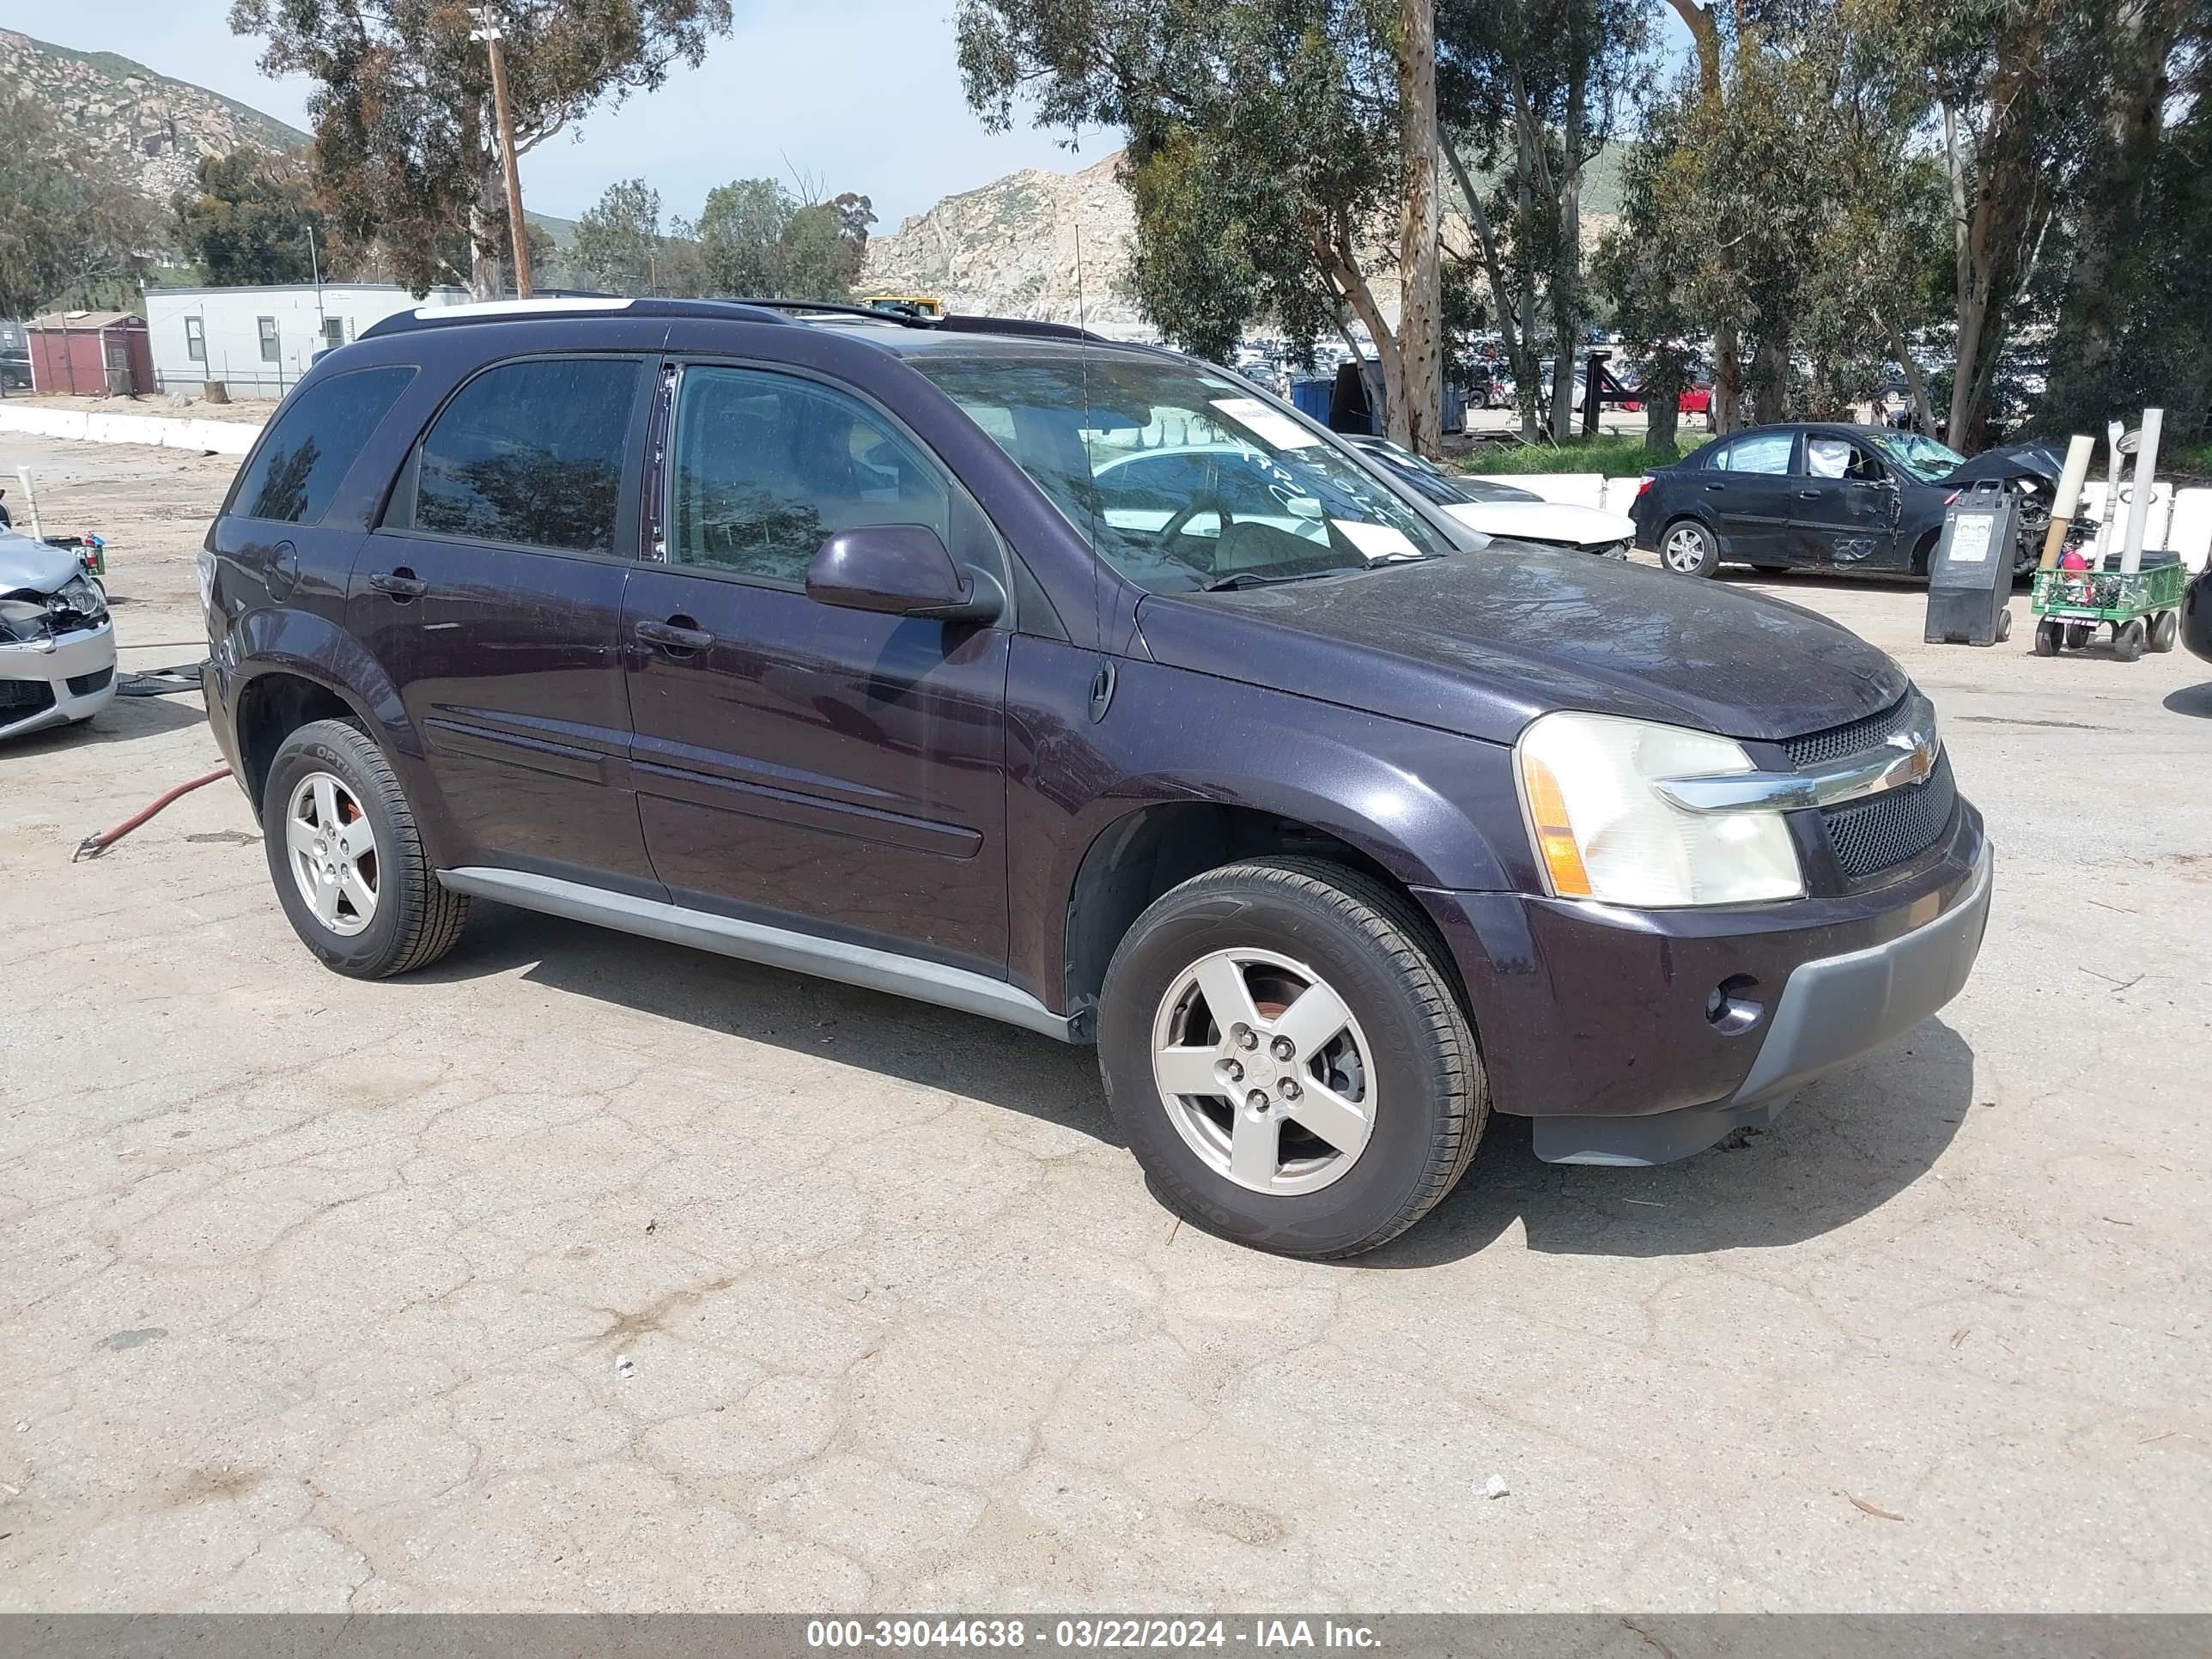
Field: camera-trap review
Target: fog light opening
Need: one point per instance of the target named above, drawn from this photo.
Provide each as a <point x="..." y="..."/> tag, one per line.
<point x="1731" y="1008"/>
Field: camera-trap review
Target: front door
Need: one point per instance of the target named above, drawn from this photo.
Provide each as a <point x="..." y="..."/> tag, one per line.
<point x="1749" y="489"/>
<point x="1846" y="505"/>
<point x="492" y="594"/>
<point x="798" y="764"/>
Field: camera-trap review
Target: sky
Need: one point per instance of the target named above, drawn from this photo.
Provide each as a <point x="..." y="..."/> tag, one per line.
<point x="847" y="95"/>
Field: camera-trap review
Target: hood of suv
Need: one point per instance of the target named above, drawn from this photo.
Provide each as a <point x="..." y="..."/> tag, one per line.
<point x="1484" y="642"/>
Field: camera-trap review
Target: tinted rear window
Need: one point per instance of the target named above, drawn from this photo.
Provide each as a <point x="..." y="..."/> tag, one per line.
<point x="530" y="454"/>
<point x="317" y="439"/>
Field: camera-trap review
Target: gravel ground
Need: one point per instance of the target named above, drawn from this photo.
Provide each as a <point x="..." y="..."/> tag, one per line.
<point x="315" y="1295"/>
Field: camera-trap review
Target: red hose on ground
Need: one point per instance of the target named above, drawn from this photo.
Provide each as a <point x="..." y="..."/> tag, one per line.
<point x="92" y="846"/>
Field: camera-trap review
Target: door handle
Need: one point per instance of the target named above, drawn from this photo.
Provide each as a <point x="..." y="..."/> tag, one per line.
<point x="1808" y="495"/>
<point x="1716" y="488"/>
<point x="402" y="584"/>
<point x="676" y="634"/>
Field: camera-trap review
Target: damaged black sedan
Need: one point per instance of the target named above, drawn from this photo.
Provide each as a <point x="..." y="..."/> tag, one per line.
<point x="1830" y="497"/>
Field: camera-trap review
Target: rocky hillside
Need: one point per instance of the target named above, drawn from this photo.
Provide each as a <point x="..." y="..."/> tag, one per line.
<point x="1010" y="249"/>
<point x="154" y="129"/>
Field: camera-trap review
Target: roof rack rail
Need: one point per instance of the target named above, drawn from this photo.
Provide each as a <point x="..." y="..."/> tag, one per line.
<point x="840" y="308"/>
<point x="569" y="305"/>
<point x="959" y="323"/>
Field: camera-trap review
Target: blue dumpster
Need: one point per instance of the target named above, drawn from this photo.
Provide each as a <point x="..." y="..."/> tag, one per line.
<point x="1312" y="398"/>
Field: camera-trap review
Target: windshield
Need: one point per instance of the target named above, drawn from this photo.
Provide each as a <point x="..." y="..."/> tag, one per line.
<point x="1924" y="458"/>
<point x="1180" y="479"/>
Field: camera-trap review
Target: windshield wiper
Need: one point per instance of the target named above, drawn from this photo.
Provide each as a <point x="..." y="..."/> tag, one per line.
<point x="1259" y="579"/>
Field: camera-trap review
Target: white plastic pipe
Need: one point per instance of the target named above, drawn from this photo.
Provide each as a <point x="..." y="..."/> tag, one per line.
<point x="31" y="502"/>
<point x="2108" y="530"/>
<point x="2145" y="478"/>
<point x="2079" y="449"/>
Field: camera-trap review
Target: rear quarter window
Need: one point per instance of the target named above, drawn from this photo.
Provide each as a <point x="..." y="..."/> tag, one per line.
<point x="317" y="438"/>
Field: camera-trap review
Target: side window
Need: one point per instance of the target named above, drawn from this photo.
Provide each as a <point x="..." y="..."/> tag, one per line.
<point x="196" y="339"/>
<point x="271" y="346"/>
<point x="530" y="454"/>
<point x="300" y="464"/>
<point x="767" y="467"/>
<point x="1758" y="452"/>
<point x="1839" y="458"/>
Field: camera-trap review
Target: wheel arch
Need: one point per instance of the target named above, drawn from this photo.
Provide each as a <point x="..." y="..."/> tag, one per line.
<point x="1147" y="850"/>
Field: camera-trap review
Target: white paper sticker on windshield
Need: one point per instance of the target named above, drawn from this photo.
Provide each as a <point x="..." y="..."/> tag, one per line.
<point x="1378" y="541"/>
<point x="1969" y="538"/>
<point x="1262" y="421"/>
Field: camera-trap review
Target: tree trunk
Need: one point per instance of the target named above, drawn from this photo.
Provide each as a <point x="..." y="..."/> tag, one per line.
<point x="1916" y="384"/>
<point x="1770" y="380"/>
<point x="1416" y="417"/>
<point x="487" y="231"/>
<point x="1341" y="265"/>
<point x="1567" y="259"/>
<point x="1728" y="350"/>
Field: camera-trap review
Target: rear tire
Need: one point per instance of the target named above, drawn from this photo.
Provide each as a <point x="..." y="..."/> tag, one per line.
<point x="367" y="911"/>
<point x="2047" y="638"/>
<point x="1329" y="1134"/>
<point x="2128" y="642"/>
<point x="2165" y="630"/>
<point x="1688" y="549"/>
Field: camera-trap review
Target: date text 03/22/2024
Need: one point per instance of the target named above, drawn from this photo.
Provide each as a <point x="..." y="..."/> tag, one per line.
<point x="1254" y="1635"/>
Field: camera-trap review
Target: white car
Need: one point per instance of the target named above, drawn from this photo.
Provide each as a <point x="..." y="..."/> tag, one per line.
<point x="1497" y="509"/>
<point x="56" y="644"/>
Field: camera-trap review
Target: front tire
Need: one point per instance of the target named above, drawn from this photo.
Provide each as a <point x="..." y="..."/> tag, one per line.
<point x="1688" y="549"/>
<point x="347" y="859"/>
<point x="1286" y="1056"/>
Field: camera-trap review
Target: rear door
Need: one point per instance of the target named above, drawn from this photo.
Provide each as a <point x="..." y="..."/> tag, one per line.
<point x="835" y="770"/>
<point x="492" y="594"/>
<point x="272" y="530"/>
<point x="1749" y="489"/>
<point x="1845" y="505"/>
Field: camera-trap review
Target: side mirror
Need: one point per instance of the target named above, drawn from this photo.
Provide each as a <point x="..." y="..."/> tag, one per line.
<point x="900" y="570"/>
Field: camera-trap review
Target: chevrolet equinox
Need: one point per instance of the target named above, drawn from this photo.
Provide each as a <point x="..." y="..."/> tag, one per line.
<point x="1088" y="688"/>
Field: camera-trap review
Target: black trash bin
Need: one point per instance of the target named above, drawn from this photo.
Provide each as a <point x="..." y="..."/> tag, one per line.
<point x="1970" y="577"/>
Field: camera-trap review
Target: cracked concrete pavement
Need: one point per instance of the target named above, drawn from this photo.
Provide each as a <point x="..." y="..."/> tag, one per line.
<point x="313" y="1294"/>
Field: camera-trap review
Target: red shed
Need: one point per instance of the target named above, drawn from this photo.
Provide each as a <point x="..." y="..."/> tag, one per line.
<point x="89" y="353"/>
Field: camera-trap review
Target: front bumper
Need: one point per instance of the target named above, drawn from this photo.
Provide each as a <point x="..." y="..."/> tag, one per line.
<point x="52" y="683"/>
<point x="1600" y="1023"/>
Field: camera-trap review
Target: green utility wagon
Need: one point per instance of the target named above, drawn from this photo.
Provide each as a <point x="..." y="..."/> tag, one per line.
<point x="2142" y="610"/>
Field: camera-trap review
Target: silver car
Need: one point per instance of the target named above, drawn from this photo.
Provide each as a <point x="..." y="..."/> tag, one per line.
<point x="56" y="644"/>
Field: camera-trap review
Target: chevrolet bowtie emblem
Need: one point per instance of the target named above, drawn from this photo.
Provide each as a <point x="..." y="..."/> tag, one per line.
<point x="1921" y="747"/>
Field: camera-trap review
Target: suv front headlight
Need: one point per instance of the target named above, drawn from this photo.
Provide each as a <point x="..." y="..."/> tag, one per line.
<point x="1602" y="830"/>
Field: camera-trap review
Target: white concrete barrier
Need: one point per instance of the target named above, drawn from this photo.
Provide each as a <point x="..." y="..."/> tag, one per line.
<point x="160" y="432"/>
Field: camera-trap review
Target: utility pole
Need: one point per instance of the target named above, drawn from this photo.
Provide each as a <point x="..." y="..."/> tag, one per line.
<point x="488" y="31"/>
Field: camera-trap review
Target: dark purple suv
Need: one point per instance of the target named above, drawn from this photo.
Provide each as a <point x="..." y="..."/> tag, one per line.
<point x="1088" y="688"/>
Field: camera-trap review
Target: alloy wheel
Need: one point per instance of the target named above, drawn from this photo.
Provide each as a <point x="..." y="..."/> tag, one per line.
<point x="1264" y="1072"/>
<point x="1685" y="551"/>
<point x="331" y="850"/>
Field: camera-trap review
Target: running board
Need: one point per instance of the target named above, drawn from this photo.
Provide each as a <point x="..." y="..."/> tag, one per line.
<point x="773" y="947"/>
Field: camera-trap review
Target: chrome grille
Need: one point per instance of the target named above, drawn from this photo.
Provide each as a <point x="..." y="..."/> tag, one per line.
<point x="1838" y="741"/>
<point x="1871" y="835"/>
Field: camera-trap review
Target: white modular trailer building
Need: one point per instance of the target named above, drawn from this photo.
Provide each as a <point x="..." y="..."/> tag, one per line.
<point x="258" y="341"/>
